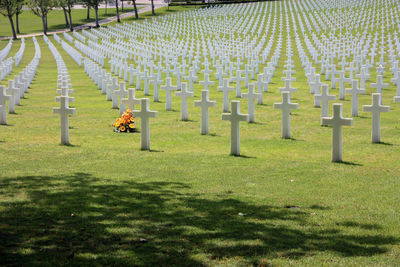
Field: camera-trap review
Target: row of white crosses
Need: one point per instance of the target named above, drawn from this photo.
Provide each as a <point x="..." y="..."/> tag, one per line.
<point x="64" y="90"/>
<point x="6" y="67"/>
<point x="18" y="56"/>
<point x="76" y="56"/>
<point x="19" y="86"/>
<point x="6" y="50"/>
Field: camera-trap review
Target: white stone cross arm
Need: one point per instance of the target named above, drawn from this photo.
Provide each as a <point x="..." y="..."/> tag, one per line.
<point x="235" y="117"/>
<point x="131" y="101"/>
<point x="337" y="121"/>
<point x="145" y="114"/>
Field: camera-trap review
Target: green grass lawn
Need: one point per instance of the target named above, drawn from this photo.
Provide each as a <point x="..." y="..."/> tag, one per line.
<point x="103" y="201"/>
<point x="30" y="23"/>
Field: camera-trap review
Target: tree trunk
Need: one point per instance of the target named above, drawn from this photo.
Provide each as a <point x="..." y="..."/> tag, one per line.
<point x="97" y="16"/>
<point x="70" y="19"/>
<point x="116" y="6"/>
<point x="17" y="22"/>
<point x="134" y="6"/>
<point x="88" y="13"/>
<point x="44" y="25"/>
<point x="65" y="16"/>
<point x="12" y="27"/>
<point x="122" y="2"/>
<point x="106" y="8"/>
<point x="152" y="7"/>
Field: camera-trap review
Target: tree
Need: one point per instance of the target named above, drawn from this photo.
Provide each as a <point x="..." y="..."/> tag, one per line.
<point x="67" y="7"/>
<point x="20" y="4"/>
<point x="41" y="8"/>
<point x="152" y="7"/>
<point x="8" y="8"/>
<point x="116" y="6"/>
<point x="94" y="4"/>
<point x="63" y="5"/>
<point x="106" y="7"/>
<point x="122" y="4"/>
<point x="134" y="6"/>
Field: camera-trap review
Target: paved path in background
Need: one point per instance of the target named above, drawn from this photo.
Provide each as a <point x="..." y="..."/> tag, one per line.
<point x="91" y="24"/>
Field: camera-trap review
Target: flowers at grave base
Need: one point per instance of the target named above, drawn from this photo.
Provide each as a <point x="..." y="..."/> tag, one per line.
<point x="126" y="123"/>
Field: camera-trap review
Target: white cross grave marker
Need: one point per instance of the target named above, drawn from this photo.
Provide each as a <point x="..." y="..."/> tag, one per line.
<point x="168" y="89"/>
<point x="131" y="100"/>
<point x="64" y="111"/>
<point x="145" y="114"/>
<point x="354" y="91"/>
<point x="204" y="103"/>
<point x="251" y="96"/>
<point x="184" y="94"/>
<point x="3" y="106"/>
<point x="376" y="108"/>
<point x="337" y="121"/>
<point x="286" y="106"/>
<point x="324" y="99"/>
<point x="225" y="88"/>
<point x="235" y="117"/>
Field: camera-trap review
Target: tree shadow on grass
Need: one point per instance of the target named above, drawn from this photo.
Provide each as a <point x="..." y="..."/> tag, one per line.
<point x="80" y="220"/>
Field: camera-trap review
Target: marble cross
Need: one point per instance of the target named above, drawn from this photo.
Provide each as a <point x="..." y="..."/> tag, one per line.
<point x="376" y="108"/>
<point x="145" y="114"/>
<point x="225" y="89"/>
<point x="156" y="82"/>
<point x="3" y="106"/>
<point x="64" y="112"/>
<point x="192" y="78"/>
<point x="204" y="103"/>
<point x="342" y="80"/>
<point x="14" y="93"/>
<point x="168" y="89"/>
<point x="324" y="99"/>
<point x="286" y="106"/>
<point x="184" y="95"/>
<point x="235" y="117"/>
<point x="337" y="121"/>
<point x="114" y="87"/>
<point x="206" y="83"/>
<point x="121" y="93"/>
<point x="379" y="85"/>
<point x="238" y="79"/>
<point x="251" y="96"/>
<point x="131" y="100"/>
<point x="354" y="91"/>
<point x="261" y="87"/>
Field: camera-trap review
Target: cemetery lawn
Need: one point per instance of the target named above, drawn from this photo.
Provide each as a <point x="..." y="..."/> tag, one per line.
<point x="187" y="202"/>
<point x="30" y="23"/>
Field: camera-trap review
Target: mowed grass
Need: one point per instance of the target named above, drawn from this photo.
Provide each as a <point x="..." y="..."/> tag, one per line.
<point x="103" y="201"/>
<point x="30" y="23"/>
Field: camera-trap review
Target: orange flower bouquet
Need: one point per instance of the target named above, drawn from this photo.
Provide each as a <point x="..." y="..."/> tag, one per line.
<point x="126" y="123"/>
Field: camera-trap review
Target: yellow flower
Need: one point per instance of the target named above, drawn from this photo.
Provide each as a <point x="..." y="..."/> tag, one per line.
<point x="132" y="119"/>
<point x="122" y="129"/>
<point x="132" y="125"/>
<point x="128" y="111"/>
